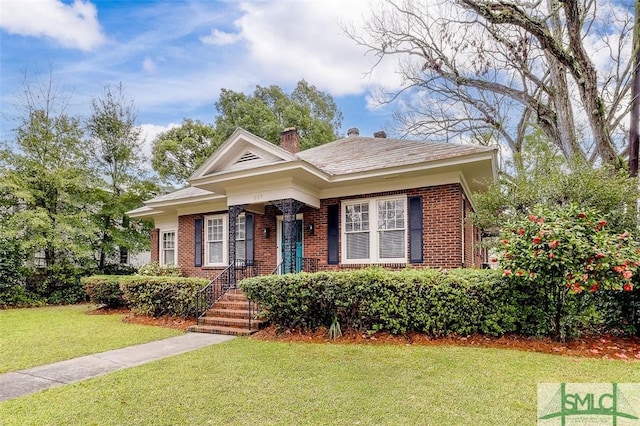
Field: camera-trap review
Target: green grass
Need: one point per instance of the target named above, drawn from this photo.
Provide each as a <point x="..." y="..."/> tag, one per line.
<point x="246" y="381"/>
<point x="36" y="336"/>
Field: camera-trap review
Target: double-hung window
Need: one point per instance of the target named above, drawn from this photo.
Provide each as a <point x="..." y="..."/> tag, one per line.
<point x="168" y="247"/>
<point x="215" y="233"/>
<point x="375" y="230"/>
<point x="216" y="238"/>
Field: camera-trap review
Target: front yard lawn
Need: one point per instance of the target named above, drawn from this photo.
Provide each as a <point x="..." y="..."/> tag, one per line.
<point x="36" y="336"/>
<point x="247" y="381"/>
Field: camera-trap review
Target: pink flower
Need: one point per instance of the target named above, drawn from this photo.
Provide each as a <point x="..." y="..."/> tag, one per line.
<point x="537" y="240"/>
<point x="599" y="255"/>
<point x="551" y="255"/>
<point x="494" y="260"/>
<point x="505" y="242"/>
<point x="624" y="235"/>
<point x="533" y="218"/>
<point x="593" y="288"/>
<point x="553" y="244"/>
<point x="627" y="274"/>
<point x="582" y="215"/>
<point x="507" y="272"/>
<point x="627" y="287"/>
<point x="520" y="231"/>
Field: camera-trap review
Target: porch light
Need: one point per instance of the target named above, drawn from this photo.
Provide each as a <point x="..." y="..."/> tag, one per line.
<point x="311" y="228"/>
<point x="266" y="232"/>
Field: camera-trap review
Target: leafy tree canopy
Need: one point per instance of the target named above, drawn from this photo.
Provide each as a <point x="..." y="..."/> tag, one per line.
<point x="178" y="152"/>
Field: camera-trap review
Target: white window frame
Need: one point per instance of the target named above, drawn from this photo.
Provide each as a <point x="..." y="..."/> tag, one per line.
<point x="163" y="232"/>
<point x="373" y="231"/>
<point x="225" y="240"/>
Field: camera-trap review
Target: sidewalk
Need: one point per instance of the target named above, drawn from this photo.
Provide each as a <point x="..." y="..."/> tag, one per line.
<point x="25" y="382"/>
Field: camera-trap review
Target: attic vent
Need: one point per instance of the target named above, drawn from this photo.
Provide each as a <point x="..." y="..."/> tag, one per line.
<point x="247" y="156"/>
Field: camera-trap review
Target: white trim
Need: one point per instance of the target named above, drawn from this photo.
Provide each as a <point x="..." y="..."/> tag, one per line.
<point x="373" y="230"/>
<point x="161" y="254"/>
<point x="225" y="240"/>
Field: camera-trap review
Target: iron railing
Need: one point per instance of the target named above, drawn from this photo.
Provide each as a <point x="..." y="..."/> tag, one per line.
<point x="304" y="264"/>
<point x="226" y="280"/>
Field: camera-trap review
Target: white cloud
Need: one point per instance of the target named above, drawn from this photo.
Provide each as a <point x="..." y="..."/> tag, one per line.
<point x="149" y="65"/>
<point x="220" y="38"/>
<point x="289" y="40"/>
<point x="148" y="135"/>
<point x="72" y="25"/>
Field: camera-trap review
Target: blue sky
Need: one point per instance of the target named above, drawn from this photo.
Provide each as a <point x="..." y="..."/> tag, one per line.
<point x="173" y="57"/>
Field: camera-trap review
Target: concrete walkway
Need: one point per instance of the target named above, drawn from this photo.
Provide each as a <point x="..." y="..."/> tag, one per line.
<point x="25" y="382"/>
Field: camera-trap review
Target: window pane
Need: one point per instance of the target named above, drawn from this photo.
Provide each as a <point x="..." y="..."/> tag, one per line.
<point x="391" y="244"/>
<point x="215" y="229"/>
<point x="357" y="217"/>
<point x="358" y="245"/>
<point x="240" y="228"/>
<point x="391" y="214"/>
<point x="241" y="250"/>
<point x="215" y="252"/>
<point x="168" y="240"/>
<point x="169" y="257"/>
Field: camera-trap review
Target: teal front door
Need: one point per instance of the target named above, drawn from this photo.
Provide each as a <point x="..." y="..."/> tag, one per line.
<point x="283" y="254"/>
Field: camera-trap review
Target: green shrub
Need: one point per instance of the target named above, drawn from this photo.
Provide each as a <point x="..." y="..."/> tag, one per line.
<point x="12" y="274"/>
<point x="564" y="252"/>
<point x="458" y="302"/>
<point x="57" y="284"/>
<point x="156" y="270"/>
<point x="104" y="290"/>
<point x="158" y="296"/>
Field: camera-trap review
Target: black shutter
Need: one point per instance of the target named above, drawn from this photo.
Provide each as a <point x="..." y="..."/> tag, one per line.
<point x="415" y="230"/>
<point x="197" y="238"/>
<point x="333" y="220"/>
<point x="249" y="237"/>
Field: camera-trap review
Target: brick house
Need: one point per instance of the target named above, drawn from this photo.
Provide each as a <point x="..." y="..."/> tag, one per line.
<point x="352" y="202"/>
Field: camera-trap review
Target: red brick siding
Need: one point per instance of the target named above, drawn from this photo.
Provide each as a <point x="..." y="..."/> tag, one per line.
<point x="155" y="245"/>
<point x="442" y="245"/>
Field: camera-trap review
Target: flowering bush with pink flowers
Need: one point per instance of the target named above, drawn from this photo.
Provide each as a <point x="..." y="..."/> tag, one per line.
<point x="568" y="251"/>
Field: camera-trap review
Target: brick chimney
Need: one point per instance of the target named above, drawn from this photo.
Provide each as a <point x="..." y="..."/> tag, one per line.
<point x="380" y="135"/>
<point x="290" y="140"/>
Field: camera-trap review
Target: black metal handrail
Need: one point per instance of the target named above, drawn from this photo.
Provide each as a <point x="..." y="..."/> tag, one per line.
<point x="304" y="264"/>
<point x="225" y="281"/>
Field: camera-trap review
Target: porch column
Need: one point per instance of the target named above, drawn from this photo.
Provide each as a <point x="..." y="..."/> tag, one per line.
<point x="234" y="212"/>
<point x="289" y="208"/>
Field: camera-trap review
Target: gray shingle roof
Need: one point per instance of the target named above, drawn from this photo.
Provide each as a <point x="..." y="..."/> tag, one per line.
<point x="355" y="154"/>
<point x="188" y="192"/>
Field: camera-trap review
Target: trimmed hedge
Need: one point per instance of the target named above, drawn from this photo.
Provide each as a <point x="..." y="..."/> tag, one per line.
<point x="146" y="295"/>
<point x="438" y="303"/>
<point x="104" y="290"/>
<point x="158" y="296"/>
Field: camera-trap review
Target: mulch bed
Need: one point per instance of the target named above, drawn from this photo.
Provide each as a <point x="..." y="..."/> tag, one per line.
<point x="603" y="347"/>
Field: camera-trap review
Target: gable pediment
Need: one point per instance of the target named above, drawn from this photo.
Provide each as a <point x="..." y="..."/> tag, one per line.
<point x="243" y="150"/>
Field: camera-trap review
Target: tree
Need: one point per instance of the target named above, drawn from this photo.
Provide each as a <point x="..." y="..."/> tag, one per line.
<point x="548" y="179"/>
<point x="121" y="185"/>
<point x="179" y="151"/>
<point x="43" y="183"/>
<point x="269" y="110"/>
<point x="495" y="71"/>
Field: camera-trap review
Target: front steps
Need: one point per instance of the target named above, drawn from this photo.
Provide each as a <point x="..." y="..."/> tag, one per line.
<point x="229" y="315"/>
